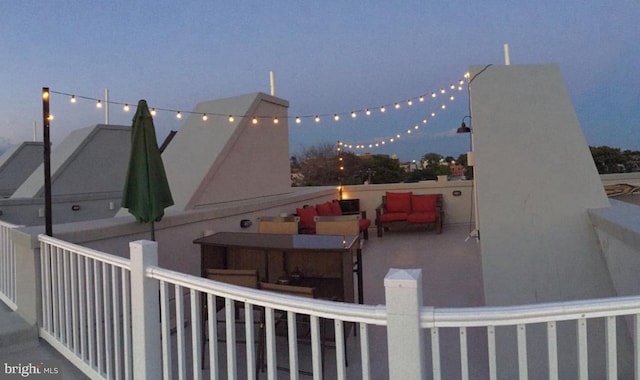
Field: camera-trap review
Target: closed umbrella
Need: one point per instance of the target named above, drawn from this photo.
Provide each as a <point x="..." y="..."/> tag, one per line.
<point x="146" y="191"/>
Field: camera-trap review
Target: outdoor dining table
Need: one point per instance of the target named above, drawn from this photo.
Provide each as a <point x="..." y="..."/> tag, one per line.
<point x="321" y="261"/>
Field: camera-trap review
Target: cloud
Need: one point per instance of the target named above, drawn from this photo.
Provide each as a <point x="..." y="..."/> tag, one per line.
<point x="445" y="134"/>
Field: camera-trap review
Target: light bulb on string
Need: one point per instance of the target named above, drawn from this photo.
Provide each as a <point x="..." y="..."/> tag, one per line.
<point x="317" y="119"/>
<point x="298" y="120"/>
<point x="178" y="115"/>
<point x="433" y="114"/>
<point x="444" y="106"/>
<point x="433" y="94"/>
<point x="254" y="121"/>
<point x="50" y="117"/>
<point x="205" y="117"/>
<point x="353" y="115"/>
<point x="442" y="90"/>
<point x="452" y="98"/>
<point x="452" y="86"/>
<point x="231" y="119"/>
<point x="367" y="112"/>
<point x="396" y="106"/>
<point x="275" y="120"/>
<point x="382" y="109"/>
<point x="421" y="98"/>
<point x="73" y="99"/>
<point x="424" y="121"/>
<point x="126" y="108"/>
<point x="336" y="117"/>
<point x="99" y="104"/>
<point x="153" y="112"/>
<point x="409" y="102"/>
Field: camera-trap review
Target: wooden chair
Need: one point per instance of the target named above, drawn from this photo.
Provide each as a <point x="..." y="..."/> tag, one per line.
<point x="240" y="277"/>
<point x="278" y="225"/>
<point x="299" y="291"/>
<point x="338" y="225"/>
<point x="345" y="225"/>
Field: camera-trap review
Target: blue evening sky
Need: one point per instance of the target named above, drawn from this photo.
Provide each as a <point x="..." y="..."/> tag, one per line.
<point x="329" y="57"/>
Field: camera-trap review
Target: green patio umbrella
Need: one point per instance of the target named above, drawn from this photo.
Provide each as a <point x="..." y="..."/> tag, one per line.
<point x="146" y="191"/>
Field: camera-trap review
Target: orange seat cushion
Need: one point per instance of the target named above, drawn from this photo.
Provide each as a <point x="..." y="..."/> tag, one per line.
<point x="336" y="210"/>
<point x="364" y="224"/>
<point x="393" y="216"/>
<point x="307" y="223"/>
<point x="423" y="203"/>
<point x="422" y="217"/>
<point x="398" y="202"/>
<point x="324" y="209"/>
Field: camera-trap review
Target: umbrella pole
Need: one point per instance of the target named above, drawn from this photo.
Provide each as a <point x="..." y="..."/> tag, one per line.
<point x="153" y="230"/>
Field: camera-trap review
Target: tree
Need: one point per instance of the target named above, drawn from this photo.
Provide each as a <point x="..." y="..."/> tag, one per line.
<point x="608" y="160"/>
<point x="432" y="159"/>
<point x="319" y="165"/>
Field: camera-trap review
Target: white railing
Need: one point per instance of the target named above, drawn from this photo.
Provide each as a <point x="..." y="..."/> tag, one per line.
<point x="86" y="307"/>
<point x="7" y="266"/>
<point x="340" y="316"/>
<point x="117" y="318"/>
<point x="516" y="326"/>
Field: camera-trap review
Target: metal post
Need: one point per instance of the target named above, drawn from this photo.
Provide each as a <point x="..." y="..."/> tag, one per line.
<point x="145" y="315"/>
<point x="403" y="296"/>
<point x="106" y="106"/>
<point x="46" y="141"/>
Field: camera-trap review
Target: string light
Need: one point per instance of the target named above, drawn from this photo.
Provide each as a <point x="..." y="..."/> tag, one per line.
<point x="396" y="106"/>
<point x="153" y="112"/>
<point x="433" y="95"/>
<point x="382" y="109"/>
<point x="353" y="115"/>
<point x="367" y="112"/>
<point x="298" y="120"/>
<point x="73" y="99"/>
<point x="317" y="119"/>
<point x="275" y="120"/>
<point x="178" y="115"/>
<point x="205" y="117"/>
<point x="254" y="121"/>
<point x="99" y="104"/>
<point x="409" y="102"/>
<point x="336" y="117"/>
<point x="126" y="108"/>
<point x="231" y="119"/>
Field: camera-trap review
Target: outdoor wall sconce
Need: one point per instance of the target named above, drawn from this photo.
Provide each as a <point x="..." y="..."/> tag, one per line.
<point x="245" y="223"/>
<point x="75" y="207"/>
<point x="456" y="193"/>
<point x="463" y="127"/>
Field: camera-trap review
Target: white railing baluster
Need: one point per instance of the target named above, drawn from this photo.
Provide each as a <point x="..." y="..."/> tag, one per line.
<point x="364" y="351"/>
<point x="115" y="316"/>
<point x="55" y="295"/>
<point x="195" y="335"/>
<point x="97" y="296"/>
<point x="7" y="266"/>
<point x="316" y="351"/>
<point x="552" y="350"/>
<point x="249" y="341"/>
<point x="230" y="323"/>
<point x="108" y="323"/>
<point x="636" y="346"/>
<point x="82" y="306"/>
<point x="523" y="370"/>
<point x="60" y="294"/>
<point x="464" y="357"/>
<point x="182" y="366"/>
<point x="74" y="302"/>
<point x="292" y="330"/>
<point x="91" y="320"/>
<point x="212" y="325"/>
<point x="491" y="348"/>
<point x="67" y="298"/>
<point x="166" y="330"/>
<point x="435" y="353"/>
<point x="270" y="346"/>
<point x="45" y="264"/>
<point x="340" y="349"/>
<point x="612" y="352"/>
<point x="126" y="324"/>
<point x="583" y="357"/>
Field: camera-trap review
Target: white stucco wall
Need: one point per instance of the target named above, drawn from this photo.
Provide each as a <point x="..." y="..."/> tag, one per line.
<point x="535" y="181"/>
<point x="17" y="163"/>
<point x="217" y="161"/>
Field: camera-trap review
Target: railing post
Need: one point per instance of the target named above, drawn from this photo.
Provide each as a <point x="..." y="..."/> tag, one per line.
<point x="403" y="296"/>
<point x="145" y="316"/>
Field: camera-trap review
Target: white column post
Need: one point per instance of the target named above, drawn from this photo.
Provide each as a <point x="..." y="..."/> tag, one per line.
<point x="403" y="295"/>
<point x="145" y="314"/>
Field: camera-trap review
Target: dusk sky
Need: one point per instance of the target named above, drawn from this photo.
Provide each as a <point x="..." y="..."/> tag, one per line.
<point x="328" y="57"/>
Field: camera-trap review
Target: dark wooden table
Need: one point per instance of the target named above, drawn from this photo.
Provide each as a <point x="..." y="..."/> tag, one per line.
<point x="325" y="261"/>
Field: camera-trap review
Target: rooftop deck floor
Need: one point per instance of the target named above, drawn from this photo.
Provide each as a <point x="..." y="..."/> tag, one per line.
<point x="451" y="267"/>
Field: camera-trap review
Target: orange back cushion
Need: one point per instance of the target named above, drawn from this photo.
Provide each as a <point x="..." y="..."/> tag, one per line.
<point x="424" y="203"/>
<point x="398" y="202"/>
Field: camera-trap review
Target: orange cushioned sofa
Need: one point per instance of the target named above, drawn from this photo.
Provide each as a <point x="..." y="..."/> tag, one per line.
<point x="307" y="216"/>
<point x="406" y="207"/>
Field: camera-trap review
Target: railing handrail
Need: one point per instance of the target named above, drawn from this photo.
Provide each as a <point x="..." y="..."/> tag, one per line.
<point x="88" y="252"/>
<point x="9" y="225"/>
<point x="370" y="314"/>
<point x="527" y="314"/>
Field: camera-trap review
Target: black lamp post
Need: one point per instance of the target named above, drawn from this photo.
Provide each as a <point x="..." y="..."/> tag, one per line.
<point x="46" y="141"/>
